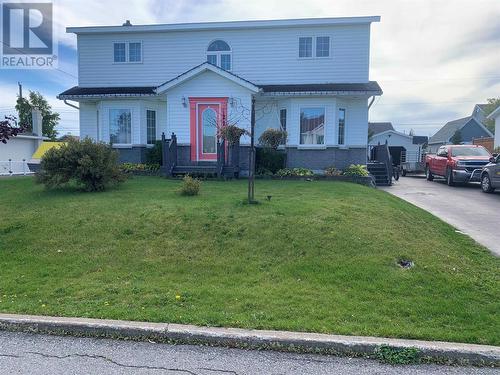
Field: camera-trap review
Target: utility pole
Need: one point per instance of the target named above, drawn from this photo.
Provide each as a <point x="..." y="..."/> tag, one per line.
<point x="20" y="89"/>
<point x="251" y="157"/>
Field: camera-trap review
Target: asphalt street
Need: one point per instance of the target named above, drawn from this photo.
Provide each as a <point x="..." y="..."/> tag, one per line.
<point x="22" y="353"/>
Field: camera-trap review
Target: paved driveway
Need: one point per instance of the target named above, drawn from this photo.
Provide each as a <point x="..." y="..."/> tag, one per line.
<point x="22" y="353"/>
<point x="467" y="208"/>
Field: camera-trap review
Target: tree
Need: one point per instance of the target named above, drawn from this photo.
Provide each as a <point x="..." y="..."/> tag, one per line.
<point x="9" y="128"/>
<point x="50" y="118"/>
<point x="411" y="133"/>
<point x="457" y="138"/>
<point x="492" y="104"/>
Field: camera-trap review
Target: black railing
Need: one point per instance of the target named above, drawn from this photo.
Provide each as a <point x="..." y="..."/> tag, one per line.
<point x="381" y="154"/>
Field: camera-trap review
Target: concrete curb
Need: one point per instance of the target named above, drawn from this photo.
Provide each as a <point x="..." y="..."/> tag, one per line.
<point x="359" y="346"/>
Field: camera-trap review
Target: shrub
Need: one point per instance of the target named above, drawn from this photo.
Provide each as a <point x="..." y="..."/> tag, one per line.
<point x="272" y="138"/>
<point x="332" y="171"/>
<point x="134" y="167"/>
<point x="356" y="170"/>
<point x="295" y="172"/>
<point x="231" y="133"/>
<point x="93" y="166"/>
<point x="269" y="159"/>
<point x="154" y="154"/>
<point x="190" y="186"/>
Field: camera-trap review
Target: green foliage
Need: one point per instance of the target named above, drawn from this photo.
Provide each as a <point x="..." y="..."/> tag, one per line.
<point x="492" y="104"/>
<point x="154" y="154"/>
<point x="332" y="171"/>
<point x="357" y="170"/>
<point x="294" y="172"/>
<point x="272" y="138"/>
<point x="190" y="186"/>
<point x="93" y="166"/>
<point x="133" y="167"/>
<point x="457" y="138"/>
<point x="49" y="118"/>
<point x="269" y="159"/>
<point x="497" y="150"/>
<point x="231" y="133"/>
<point x="397" y="356"/>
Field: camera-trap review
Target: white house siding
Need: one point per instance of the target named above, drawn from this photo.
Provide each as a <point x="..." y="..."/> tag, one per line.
<point x="262" y="56"/>
<point x="356" y="121"/>
<point x="207" y="84"/>
<point x="88" y="120"/>
<point x="395" y="139"/>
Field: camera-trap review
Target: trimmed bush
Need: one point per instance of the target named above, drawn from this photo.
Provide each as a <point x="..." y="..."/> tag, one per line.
<point x="294" y="172"/>
<point x="190" y="186"/>
<point x="332" y="171"/>
<point x="272" y="138"/>
<point x="269" y="160"/>
<point x="356" y="170"/>
<point x="154" y="154"/>
<point x="92" y="166"/>
<point x="139" y="167"/>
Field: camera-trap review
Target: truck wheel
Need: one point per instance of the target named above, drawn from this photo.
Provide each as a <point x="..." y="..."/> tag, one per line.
<point x="486" y="184"/>
<point x="428" y="173"/>
<point x="449" y="177"/>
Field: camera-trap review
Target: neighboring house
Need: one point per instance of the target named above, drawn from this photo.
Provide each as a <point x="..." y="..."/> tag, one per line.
<point x="403" y="147"/>
<point x="18" y="151"/>
<point x="495" y="115"/>
<point x="309" y="76"/>
<point x="478" y="113"/>
<point x="469" y="128"/>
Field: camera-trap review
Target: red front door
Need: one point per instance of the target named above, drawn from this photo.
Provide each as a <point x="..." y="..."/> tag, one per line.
<point x="206" y="116"/>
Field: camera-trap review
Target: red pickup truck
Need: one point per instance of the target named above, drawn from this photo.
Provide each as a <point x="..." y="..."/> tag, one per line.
<point x="457" y="163"/>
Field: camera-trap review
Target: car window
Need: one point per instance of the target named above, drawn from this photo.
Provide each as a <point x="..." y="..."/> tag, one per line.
<point x="441" y="151"/>
<point x="469" y="151"/>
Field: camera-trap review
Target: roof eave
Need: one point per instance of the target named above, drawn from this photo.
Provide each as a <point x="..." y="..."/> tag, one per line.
<point x="494" y="114"/>
<point x="230" y="25"/>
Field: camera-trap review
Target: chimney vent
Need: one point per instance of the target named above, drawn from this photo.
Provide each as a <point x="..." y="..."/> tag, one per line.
<point x="127" y="23"/>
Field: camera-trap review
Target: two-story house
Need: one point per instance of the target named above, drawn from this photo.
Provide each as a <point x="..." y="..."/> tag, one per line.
<point x="308" y="76"/>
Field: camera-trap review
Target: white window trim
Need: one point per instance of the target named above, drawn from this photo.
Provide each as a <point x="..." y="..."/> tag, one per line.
<point x="121" y="145"/>
<point x="325" y="127"/>
<point x="127" y="43"/>
<point x="314" y="41"/>
<point x="156" y="125"/>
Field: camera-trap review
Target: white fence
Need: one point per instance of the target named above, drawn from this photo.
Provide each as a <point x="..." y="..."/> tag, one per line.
<point x="14" y="167"/>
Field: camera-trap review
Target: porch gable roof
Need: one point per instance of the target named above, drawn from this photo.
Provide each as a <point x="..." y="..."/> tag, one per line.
<point x="204" y="67"/>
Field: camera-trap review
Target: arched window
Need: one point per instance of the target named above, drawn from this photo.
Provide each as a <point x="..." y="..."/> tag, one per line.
<point x="219" y="53"/>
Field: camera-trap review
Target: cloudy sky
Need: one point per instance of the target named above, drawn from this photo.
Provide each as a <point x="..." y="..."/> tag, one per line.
<point x="433" y="58"/>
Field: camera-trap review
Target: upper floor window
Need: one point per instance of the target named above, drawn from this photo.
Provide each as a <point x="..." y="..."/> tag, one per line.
<point x="219" y="53"/>
<point x="127" y="52"/>
<point x="314" y="46"/>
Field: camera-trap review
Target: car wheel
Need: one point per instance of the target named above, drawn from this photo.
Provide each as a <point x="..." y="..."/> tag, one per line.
<point x="449" y="177"/>
<point x="486" y="184"/>
<point x="428" y="173"/>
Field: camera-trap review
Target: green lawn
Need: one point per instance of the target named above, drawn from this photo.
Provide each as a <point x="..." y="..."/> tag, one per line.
<point x="320" y="256"/>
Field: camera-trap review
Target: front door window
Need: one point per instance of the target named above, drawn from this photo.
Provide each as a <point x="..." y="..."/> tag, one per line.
<point x="209" y="131"/>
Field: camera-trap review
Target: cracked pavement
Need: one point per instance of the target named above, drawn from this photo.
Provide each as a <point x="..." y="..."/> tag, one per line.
<point x="37" y="354"/>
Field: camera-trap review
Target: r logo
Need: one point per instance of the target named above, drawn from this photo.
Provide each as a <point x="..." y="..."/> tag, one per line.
<point x="27" y="28"/>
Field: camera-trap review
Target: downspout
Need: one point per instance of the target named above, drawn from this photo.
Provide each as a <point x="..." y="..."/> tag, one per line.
<point x="76" y="107"/>
<point x="369" y="105"/>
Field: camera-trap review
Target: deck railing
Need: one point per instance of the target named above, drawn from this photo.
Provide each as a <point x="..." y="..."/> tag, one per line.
<point x="14" y="167"/>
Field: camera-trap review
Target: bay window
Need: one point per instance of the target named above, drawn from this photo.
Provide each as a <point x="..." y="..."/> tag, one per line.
<point x="312" y="126"/>
<point x="120" y="126"/>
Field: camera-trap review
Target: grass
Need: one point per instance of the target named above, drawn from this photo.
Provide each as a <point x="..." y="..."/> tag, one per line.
<point x="319" y="256"/>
